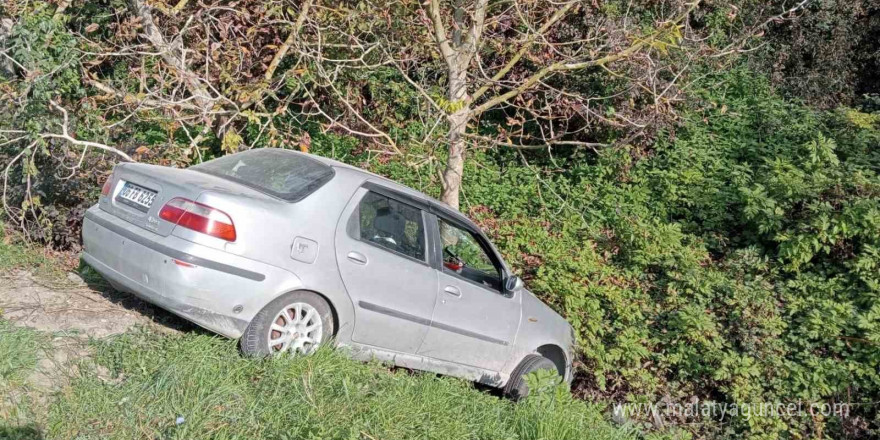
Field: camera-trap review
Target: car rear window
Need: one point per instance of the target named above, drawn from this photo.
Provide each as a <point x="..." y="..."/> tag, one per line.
<point x="280" y="173"/>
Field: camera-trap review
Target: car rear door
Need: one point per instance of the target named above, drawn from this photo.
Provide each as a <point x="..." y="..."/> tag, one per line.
<point x="382" y="252"/>
<point x="474" y="323"/>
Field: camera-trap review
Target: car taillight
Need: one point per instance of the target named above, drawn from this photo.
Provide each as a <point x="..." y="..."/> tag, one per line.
<point x="105" y="190"/>
<point x="199" y="218"/>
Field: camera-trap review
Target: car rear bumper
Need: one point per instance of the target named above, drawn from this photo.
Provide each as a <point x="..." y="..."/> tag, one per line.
<point x="212" y="288"/>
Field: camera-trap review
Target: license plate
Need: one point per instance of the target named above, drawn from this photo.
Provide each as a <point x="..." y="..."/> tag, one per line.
<point x="136" y="196"/>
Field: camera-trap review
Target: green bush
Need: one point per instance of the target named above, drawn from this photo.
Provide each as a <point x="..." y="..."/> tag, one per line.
<point x="736" y="261"/>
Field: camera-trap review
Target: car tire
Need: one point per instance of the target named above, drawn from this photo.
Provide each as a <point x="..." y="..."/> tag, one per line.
<point x="516" y="387"/>
<point x="256" y="338"/>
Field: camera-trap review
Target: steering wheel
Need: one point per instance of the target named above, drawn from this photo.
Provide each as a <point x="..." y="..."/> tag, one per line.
<point x="456" y="263"/>
<point x="452" y="254"/>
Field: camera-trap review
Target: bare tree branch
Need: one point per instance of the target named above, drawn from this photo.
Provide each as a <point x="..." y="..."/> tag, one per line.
<point x="171" y="56"/>
<point x="65" y="135"/>
<point x="440" y="36"/>
<point x="735" y="46"/>
<point x="475" y="32"/>
<point x="560" y="66"/>
<point x="291" y="37"/>
<point x="561" y="12"/>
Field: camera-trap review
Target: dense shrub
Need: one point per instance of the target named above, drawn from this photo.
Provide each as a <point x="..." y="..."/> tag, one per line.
<point x="828" y="56"/>
<point x="737" y="261"/>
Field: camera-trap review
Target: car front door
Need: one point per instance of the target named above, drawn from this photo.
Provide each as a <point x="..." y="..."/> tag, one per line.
<point x="382" y="252"/>
<point x="474" y="322"/>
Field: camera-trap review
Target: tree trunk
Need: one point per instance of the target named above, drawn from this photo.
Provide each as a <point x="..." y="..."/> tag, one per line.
<point x="455" y="163"/>
<point x="458" y="121"/>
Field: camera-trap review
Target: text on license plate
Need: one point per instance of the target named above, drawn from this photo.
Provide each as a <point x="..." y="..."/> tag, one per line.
<point x="137" y="195"/>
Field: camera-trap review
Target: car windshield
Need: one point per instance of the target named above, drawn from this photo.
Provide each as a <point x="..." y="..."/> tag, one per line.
<point x="280" y="173"/>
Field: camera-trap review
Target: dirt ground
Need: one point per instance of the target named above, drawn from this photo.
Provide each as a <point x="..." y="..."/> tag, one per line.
<point x="74" y="311"/>
<point x="73" y="307"/>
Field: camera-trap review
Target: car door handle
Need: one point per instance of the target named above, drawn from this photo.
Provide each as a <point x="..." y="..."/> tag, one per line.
<point x="357" y="257"/>
<point x="452" y="290"/>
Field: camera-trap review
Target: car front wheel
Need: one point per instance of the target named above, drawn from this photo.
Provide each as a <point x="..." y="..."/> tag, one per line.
<point x="296" y="323"/>
<point x="516" y="387"/>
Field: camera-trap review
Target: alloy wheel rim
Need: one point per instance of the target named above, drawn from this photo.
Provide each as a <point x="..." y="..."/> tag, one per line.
<point x="296" y="329"/>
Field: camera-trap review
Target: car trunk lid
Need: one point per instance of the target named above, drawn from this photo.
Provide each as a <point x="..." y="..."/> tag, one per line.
<point x="138" y="192"/>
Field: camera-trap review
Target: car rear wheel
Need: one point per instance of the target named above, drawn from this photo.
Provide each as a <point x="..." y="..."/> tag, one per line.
<point x="296" y="323"/>
<point x="516" y="387"/>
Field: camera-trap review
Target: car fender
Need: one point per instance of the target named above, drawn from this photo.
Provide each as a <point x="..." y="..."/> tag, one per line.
<point x="540" y="326"/>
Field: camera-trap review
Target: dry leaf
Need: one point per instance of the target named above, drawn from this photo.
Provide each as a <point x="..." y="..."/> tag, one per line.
<point x="305" y="142"/>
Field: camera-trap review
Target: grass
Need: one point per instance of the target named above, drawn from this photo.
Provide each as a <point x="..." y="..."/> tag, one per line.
<point x="199" y="386"/>
<point x="16" y="254"/>
<point x="20" y="350"/>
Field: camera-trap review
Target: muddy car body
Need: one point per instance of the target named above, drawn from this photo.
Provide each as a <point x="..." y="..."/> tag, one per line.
<point x="286" y="251"/>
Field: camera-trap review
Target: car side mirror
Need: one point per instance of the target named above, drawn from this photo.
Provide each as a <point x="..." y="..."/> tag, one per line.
<point x="512" y="284"/>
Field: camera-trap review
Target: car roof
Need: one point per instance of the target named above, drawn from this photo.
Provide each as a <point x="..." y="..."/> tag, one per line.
<point x="432" y="203"/>
<point x="390" y="184"/>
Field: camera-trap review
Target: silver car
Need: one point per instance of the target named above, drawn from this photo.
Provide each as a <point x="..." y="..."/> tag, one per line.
<point x="288" y="251"/>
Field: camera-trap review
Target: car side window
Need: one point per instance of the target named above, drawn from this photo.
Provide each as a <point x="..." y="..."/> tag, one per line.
<point x="392" y="225"/>
<point x="464" y="255"/>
